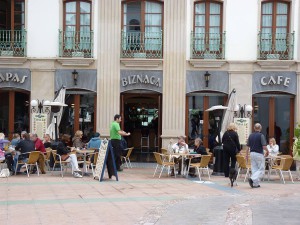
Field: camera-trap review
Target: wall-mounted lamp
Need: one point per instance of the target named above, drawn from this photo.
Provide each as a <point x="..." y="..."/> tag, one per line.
<point x="243" y="111"/>
<point x="206" y="77"/>
<point x="75" y="76"/>
<point x="38" y="106"/>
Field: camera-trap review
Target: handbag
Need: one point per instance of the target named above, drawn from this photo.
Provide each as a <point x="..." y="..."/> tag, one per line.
<point x="64" y="157"/>
<point x="236" y="148"/>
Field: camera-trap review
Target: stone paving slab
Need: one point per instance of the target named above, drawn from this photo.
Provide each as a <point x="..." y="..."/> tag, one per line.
<point x="138" y="198"/>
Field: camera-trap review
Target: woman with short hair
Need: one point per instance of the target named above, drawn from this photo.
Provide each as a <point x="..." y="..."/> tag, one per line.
<point x="77" y="140"/>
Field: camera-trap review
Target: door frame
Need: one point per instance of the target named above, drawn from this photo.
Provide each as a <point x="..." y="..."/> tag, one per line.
<point x="156" y="96"/>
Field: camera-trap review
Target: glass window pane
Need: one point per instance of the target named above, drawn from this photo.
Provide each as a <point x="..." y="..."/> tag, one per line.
<point x="134" y="7"/>
<point x="214" y="20"/>
<point x="281" y="21"/>
<point x="282" y="8"/>
<point x="200" y="30"/>
<point x="70" y="19"/>
<point x="261" y="112"/>
<point x="85" y="7"/>
<point x="125" y="8"/>
<point x="85" y="29"/>
<point x="132" y="19"/>
<point x="4" y="109"/>
<point x="281" y="31"/>
<point x="153" y="19"/>
<point x="21" y="112"/>
<point x="282" y="123"/>
<point x="153" y="7"/>
<point x="70" y="29"/>
<point x="266" y="21"/>
<point x="200" y="20"/>
<point x="195" y="116"/>
<point x="19" y="18"/>
<point x="200" y="8"/>
<point x="267" y="8"/>
<point x="85" y="19"/>
<point x="215" y="8"/>
<point x="214" y="30"/>
<point x="71" y="7"/>
<point x="19" y="6"/>
<point x="153" y="29"/>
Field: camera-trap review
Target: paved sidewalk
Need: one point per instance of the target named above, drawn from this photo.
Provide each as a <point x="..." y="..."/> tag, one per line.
<point x="138" y="198"/>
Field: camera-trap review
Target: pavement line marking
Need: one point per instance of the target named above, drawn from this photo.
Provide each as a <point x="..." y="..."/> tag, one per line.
<point x="85" y="200"/>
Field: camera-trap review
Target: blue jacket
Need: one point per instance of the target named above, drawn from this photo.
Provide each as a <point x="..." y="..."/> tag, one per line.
<point x="94" y="143"/>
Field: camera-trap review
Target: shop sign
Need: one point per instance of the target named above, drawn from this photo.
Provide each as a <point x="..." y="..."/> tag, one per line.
<point x="39" y="124"/>
<point x="141" y="79"/>
<point x="272" y="80"/>
<point x="12" y="77"/>
<point x="150" y="80"/>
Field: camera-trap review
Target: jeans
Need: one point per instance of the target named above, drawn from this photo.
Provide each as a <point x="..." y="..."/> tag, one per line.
<point x="16" y="158"/>
<point x="257" y="167"/>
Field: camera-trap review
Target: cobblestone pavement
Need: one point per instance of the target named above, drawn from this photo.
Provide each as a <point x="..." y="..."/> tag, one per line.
<point x="140" y="199"/>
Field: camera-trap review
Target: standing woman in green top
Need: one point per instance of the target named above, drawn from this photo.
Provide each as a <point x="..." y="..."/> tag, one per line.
<point x="115" y="136"/>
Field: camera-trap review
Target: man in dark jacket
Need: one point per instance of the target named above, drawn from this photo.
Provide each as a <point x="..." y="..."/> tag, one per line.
<point x="24" y="146"/>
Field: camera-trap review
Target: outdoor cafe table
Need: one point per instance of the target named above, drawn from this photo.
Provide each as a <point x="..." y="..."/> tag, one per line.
<point x="184" y="156"/>
<point x="84" y="153"/>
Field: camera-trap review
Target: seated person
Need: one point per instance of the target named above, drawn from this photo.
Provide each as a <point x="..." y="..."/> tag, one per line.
<point x="179" y="147"/>
<point x="64" y="152"/>
<point x="95" y="142"/>
<point x="272" y="147"/>
<point x="15" y="140"/>
<point x="47" y="141"/>
<point x="200" y="149"/>
<point x="24" y="146"/>
<point x="39" y="146"/>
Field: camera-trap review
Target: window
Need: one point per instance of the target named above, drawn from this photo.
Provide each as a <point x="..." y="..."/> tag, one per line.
<point x="12" y="15"/>
<point x="142" y="26"/>
<point x="208" y="39"/>
<point x="77" y="34"/>
<point x="275" y="37"/>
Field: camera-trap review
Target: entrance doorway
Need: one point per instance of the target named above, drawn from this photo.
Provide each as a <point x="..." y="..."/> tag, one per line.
<point x="80" y="114"/>
<point x="200" y="123"/>
<point x="141" y="115"/>
<point x="276" y="115"/>
<point x="14" y="112"/>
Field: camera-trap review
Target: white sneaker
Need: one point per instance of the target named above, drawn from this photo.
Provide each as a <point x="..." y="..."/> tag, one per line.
<point x="77" y="170"/>
<point x="77" y="175"/>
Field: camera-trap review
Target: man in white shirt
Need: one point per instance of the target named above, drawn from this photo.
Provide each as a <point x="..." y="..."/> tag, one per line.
<point x="179" y="147"/>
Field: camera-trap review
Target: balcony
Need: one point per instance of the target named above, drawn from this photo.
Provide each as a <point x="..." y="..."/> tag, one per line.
<point x="13" y="43"/>
<point x="141" y="45"/>
<point x="76" y="44"/>
<point x="207" y="45"/>
<point x="276" y="46"/>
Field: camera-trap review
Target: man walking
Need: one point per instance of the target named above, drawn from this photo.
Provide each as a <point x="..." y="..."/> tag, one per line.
<point x="115" y="136"/>
<point x="257" y="144"/>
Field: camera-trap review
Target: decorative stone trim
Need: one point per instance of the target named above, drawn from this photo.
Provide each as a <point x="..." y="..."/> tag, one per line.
<point x="84" y="62"/>
<point x="203" y="63"/>
<point x="141" y="62"/>
<point x="12" y="60"/>
<point x="275" y="64"/>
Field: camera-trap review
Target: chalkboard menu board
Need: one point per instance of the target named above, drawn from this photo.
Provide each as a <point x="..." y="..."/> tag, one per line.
<point x="102" y="158"/>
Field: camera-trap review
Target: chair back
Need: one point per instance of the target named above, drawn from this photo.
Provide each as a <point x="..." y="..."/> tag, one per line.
<point x="48" y="153"/>
<point x="285" y="156"/>
<point x="164" y="151"/>
<point x="54" y="153"/>
<point x="204" y="160"/>
<point x="95" y="158"/>
<point x="241" y="161"/>
<point x="158" y="158"/>
<point x="33" y="157"/>
<point x="286" y="163"/>
<point x="129" y="152"/>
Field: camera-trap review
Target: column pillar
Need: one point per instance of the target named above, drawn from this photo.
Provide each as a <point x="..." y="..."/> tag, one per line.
<point x="174" y="70"/>
<point x="297" y="100"/>
<point x="108" y="65"/>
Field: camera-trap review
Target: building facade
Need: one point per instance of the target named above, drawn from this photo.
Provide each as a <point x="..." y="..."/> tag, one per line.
<point x="148" y="61"/>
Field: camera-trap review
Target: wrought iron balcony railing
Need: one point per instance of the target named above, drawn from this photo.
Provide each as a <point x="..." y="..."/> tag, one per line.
<point x="207" y="45"/>
<point x="141" y="44"/>
<point x="76" y="44"/>
<point x="13" y="43"/>
<point x="275" y="46"/>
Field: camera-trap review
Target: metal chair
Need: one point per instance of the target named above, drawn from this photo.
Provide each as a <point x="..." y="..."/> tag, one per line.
<point x="203" y="165"/>
<point x="32" y="161"/>
<point x="284" y="166"/>
<point x="242" y="165"/>
<point x="127" y="157"/>
<point x="58" y="160"/>
<point x="160" y="162"/>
